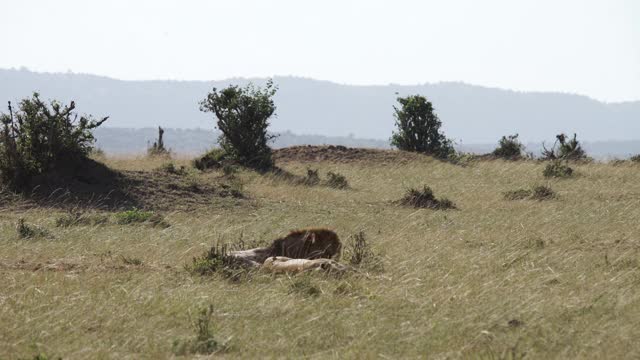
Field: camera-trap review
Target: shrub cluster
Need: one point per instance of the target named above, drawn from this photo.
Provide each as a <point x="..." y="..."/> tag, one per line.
<point x="334" y="180"/>
<point x="234" y="187"/>
<point x="129" y="217"/>
<point x="543" y="193"/>
<point x="312" y="178"/>
<point x="26" y="231"/>
<point x="425" y="199"/>
<point x="536" y="193"/>
<point x="217" y="260"/>
<point x="337" y="181"/>
<point x="557" y="169"/>
<point x="565" y="148"/>
<point x="136" y="216"/>
<point x="36" y="138"/>
<point x="359" y="253"/>
<point x="213" y="159"/>
<point x="509" y="148"/>
<point x="170" y="168"/>
<point x="80" y="218"/>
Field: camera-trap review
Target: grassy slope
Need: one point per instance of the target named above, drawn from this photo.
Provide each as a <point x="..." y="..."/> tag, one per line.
<point x="566" y="269"/>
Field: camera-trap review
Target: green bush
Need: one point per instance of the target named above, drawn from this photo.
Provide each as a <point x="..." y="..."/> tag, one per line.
<point x="564" y="149"/>
<point x="425" y="199"/>
<point x="635" y="158"/>
<point x="210" y="160"/>
<point x="418" y="128"/>
<point x="242" y="116"/>
<point x="557" y="169"/>
<point x="26" y="231"/>
<point x="510" y="148"/>
<point x="337" y="181"/>
<point x="37" y="138"/>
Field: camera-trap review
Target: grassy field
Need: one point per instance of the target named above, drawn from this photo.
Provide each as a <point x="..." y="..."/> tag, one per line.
<point x="493" y="279"/>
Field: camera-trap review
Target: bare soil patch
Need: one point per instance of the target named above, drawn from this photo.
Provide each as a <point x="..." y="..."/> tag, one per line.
<point x="94" y="185"/>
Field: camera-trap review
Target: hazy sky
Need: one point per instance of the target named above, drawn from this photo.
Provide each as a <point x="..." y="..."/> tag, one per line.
<point x="591" y="47"/>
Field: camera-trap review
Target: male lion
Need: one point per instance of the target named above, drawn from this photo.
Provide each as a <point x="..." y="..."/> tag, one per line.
<point x="307" y="244"/>
<point x="299" y="244"/>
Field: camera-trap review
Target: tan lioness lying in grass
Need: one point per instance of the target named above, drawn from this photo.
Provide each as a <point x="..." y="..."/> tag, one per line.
<point x="281" y="264"/>
<point x="298" y="244"/>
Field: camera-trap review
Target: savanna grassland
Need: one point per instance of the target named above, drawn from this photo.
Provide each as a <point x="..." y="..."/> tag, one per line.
<point x="494" y="278"/>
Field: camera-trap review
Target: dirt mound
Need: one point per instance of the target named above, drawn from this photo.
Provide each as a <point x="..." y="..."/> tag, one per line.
<point x="343" y="154"/>
<point x="93" y="185"/>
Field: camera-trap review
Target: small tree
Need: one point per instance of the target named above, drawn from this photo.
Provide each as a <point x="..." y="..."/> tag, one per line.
<point x="419" y="128"/>
<point x="158" y="149"/>
<point x="38" y="138"/>
<point x="243" y="118"/>
<point x="509" y="147"/>
<point x="564" y="148"/>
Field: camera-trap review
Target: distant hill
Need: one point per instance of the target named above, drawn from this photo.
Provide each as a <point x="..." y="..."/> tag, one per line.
<point x="119" y="141"/>
<point x="471" y="114"/>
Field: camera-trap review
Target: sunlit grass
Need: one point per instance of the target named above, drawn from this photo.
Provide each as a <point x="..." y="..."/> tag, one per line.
<point x="551" y="279"/>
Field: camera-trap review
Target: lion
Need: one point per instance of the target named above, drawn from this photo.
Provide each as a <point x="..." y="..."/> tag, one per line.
<point x="282" y="264"/>
<point x="252" y="257"/>
<point x="298" y="244"/>
<point x="313" y="243"/>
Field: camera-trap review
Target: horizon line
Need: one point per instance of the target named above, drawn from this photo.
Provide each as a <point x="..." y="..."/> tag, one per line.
<point x="457" y="142"/>
<point x="244" y="78"/>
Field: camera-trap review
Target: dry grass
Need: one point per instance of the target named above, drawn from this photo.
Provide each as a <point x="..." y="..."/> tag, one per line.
<point x="555" y="279"/>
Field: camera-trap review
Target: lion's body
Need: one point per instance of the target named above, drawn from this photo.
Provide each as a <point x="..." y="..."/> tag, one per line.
<point x="307" y="244"/>
<point x="252" y="257"/>
<point x="281" y="264"/>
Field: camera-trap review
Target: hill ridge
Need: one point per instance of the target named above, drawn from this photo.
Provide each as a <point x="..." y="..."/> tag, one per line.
<point x="470" y="113"/>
